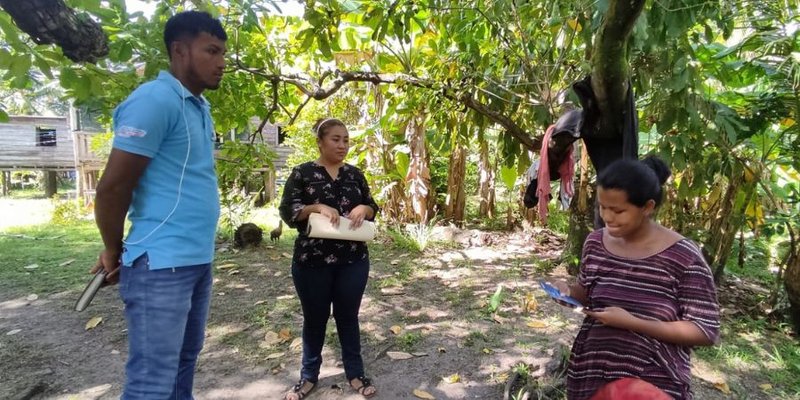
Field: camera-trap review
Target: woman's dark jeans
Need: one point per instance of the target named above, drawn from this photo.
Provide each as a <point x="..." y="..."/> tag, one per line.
<point x="318" y="288"/>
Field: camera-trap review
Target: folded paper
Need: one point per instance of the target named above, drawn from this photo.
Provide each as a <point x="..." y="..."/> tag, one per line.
<point x="320" y="227"/>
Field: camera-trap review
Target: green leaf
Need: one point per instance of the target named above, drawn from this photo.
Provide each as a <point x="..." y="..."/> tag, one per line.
<point x="496" y="299"/>
<point x="402" y="162"/>
<point x="509" y="175"/>
<point x="3" y="115"/>
<point x="44" y="66"/>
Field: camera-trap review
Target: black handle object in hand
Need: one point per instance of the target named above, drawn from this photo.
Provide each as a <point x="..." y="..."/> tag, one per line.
<point x="91" y="289"/>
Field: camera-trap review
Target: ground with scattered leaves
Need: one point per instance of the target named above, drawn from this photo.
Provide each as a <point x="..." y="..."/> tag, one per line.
<point x="434" y="326"/>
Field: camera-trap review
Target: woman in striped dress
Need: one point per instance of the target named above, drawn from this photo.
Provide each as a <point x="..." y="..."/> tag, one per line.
<point x="649" y="294"/>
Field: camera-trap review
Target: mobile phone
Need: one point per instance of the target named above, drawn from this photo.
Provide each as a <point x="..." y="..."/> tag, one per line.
<point x="561" y="298"/>
<point x="91" y="289"/>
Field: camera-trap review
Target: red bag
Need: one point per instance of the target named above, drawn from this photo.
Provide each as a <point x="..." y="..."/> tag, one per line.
<point x="630" y="389"/>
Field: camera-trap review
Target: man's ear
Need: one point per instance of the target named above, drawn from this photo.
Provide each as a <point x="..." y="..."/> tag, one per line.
<point x="178" y="47"/>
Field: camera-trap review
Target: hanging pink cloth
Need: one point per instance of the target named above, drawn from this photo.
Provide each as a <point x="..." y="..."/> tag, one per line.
<point x="566" y="170"/>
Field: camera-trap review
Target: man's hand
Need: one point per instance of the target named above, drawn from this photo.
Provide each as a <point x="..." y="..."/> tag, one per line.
<point x="110" y="262"/>
<point x="329" y="212"/>
<point x="613" y="316"/>
<point x="358" y="215"/>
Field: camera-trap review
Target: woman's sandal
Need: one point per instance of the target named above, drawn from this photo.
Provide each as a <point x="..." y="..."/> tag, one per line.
<point x="298" y="391"/>
<point x="363" y="390"/>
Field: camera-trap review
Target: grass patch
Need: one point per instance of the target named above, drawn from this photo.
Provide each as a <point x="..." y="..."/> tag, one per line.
<point x="751" y="348"/>
<point x="47" y="247"/>
<point x="757" y="260"/>
<point x="408" y="341"/>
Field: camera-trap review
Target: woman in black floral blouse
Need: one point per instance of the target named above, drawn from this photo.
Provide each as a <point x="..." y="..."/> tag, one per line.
<point x="325" y="271"/>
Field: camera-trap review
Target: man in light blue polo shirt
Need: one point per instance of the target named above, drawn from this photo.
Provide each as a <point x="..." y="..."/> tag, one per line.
<point x="161" y="174"/>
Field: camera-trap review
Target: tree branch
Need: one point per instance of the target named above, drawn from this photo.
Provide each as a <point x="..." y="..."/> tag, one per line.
<point x="52" y="22"/>
<point x="318" y="92"/>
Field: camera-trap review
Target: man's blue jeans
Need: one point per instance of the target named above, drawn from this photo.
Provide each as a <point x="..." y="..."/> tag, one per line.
<point x="166" y="311"/>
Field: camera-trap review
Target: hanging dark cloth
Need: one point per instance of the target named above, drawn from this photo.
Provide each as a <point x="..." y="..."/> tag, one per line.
<point x="605" y="149"/>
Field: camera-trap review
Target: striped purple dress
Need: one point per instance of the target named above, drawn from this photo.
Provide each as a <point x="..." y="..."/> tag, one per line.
<point x="673" y="285"/>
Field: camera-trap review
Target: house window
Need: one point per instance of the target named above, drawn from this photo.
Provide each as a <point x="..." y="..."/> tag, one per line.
<point x="45" y="137"/>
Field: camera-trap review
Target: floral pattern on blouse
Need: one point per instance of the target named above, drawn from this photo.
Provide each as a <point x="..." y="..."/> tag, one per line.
<point x="309" y="183"/>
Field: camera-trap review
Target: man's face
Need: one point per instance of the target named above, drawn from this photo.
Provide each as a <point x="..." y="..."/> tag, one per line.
<point x="205" y="61"/>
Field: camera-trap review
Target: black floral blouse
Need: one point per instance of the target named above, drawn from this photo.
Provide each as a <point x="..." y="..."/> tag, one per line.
<point x="310" y="183"/>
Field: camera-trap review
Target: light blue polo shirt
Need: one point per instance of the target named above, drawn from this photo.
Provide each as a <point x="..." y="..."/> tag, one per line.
<point x="152" y="122"/>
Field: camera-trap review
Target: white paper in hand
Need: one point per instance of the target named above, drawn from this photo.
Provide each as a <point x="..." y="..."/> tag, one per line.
<point x="320" y="227"/>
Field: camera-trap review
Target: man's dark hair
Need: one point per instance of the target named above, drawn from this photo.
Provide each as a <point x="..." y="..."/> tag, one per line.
<point x="641" y="180"/>
<point x="189" y="24"/>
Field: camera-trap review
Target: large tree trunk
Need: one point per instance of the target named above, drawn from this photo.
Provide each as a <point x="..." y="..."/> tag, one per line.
<point x="486" y="180"/>
<point x="52" y="22"/>
<point x="581" y="217"/>
<point x="791" y="277"/>
<point x="610" y="73"/>
<point x="456" y="199"/>
<point x="50" y="183"/>
<point x="418" y="178"/>
<point x="6" y="182"/>
<point x="721" y="232"/>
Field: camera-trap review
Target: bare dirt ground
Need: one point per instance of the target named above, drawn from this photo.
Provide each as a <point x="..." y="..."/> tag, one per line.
<point x="20" y="212"/>
<point x="434" y="308"/>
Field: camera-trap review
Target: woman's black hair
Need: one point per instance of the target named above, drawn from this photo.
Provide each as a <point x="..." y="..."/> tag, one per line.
<point x="189" y="24"/>
<point x="323" y="124"/>
<point x="640" y="180"/>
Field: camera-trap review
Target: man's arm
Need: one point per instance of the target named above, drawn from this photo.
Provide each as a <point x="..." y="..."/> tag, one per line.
<point x="114" y="193"/>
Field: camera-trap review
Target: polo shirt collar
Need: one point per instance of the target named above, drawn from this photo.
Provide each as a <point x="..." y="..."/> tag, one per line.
<point x="167" y="78"/>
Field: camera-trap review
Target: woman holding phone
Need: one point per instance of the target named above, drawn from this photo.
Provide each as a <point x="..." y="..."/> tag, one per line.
<point x="648" y="293"/>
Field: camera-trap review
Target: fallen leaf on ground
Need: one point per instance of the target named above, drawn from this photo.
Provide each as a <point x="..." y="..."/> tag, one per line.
<point x="423" y="394"/>
<point x="419" y="354"/>
<point x="32" y="266"/>
<point x="530" y="303"/>
<point x="260" y="302"/>
<point x="396" y="329"/>
<point x="285" y="334"/>
<point x="537" y="324"/>
<point x="455" y="378"/>
<point x="32" y="297"/>
<point x="765" y="386"/>
<point x="380" y="337"/>
<point x="271" y="339"/>
<point x="486" y="351"/>
<point x="278" y="273"/>
<point x="296" y="343"/>
<point x="287" y="255"/>
<point x="500" y="320"/>
<point x="226" y="266"/>
<point x="233" y="272"/>
<point x="274" y="258"/>
<point x="399" y="355"/>
<point x="284" y="297"/>
<point x="394" y="262"/>
<point x="68" y="262"/>
<point x="722" y="387"/>
<point x="392" y="291"/>
<point x="92" y="323"/>
<point x="13" y="332"/>
<point x="274" y="356"/>
<point x="441" y="350"/>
